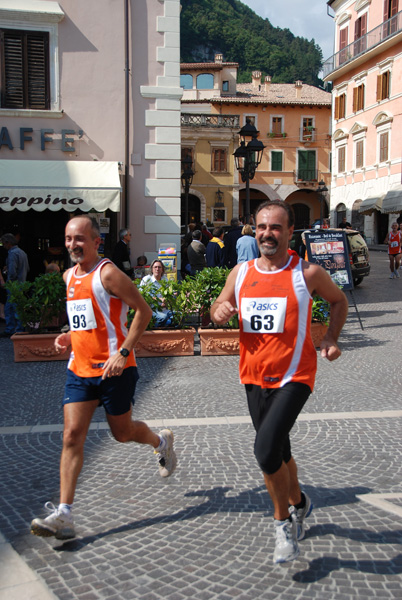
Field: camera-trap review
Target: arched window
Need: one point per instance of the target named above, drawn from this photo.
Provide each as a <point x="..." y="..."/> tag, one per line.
<point x="186" y="82"/>
<point x="205" y="81"/>
<point x="340" y="213"/>
<point x="302" y="216"/>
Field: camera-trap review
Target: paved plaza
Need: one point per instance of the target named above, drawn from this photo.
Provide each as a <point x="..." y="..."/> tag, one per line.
<point x="206" y="533"/>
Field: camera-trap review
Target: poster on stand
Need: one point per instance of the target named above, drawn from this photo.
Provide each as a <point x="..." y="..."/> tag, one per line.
<point x="330" y="251"/>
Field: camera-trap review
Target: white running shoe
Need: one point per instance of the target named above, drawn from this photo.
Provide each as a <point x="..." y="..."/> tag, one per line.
<point x="392" y="275"/>
<point x="167" y="458"/>
<point x="286" y="546"/>
<point x="301" y="514"/>
<point x="58" y="523"/>
<point x="397" y="274"/>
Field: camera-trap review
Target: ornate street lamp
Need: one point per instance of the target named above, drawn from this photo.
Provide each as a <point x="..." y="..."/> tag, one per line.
<point x="186" y="181"/>
<point x="321" y="190"/>
<point x="247" y="158"/>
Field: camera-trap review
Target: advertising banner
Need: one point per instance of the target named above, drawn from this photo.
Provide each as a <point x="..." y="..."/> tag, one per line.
<point x="330" y="250"/>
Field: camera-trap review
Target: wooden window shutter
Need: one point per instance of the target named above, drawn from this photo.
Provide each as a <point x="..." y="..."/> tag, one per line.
<point x="37" y="67"/>
<point x="363" y="22"/>
<point x="357" y="29"/>
<point x="355" y="97"/>
<point x="386" y="14"/>
<point x="336" y="115"/>
<point x="379" y="88"/>
<point x="25" y="69"/>
<point x="393" y="8"/>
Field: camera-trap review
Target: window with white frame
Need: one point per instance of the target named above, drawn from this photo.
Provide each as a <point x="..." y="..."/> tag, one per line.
<point x="29" y="66"/>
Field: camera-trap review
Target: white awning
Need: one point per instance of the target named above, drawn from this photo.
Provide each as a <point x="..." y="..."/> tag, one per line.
<point x="369" y="205"/>
<point x="392" y="202"/>
<point x="56" y="185"/>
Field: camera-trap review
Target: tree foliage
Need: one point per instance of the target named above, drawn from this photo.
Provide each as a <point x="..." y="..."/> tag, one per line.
<point x="233" y="29"/>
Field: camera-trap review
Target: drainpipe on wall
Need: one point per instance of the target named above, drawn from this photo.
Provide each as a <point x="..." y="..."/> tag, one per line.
<point x="126" y="110"/>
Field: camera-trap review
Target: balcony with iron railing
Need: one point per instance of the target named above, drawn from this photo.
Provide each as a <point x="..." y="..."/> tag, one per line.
<point x="306" y="176"/>
<point x="363" y="44"/>
<point x="308" y="134"/>
<point x="202" y="120"/>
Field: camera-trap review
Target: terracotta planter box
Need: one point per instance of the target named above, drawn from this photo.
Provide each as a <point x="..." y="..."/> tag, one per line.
<point x="166" y="342"/>
<point x="219" y="341"/>
<point x="29" y="347"/>
<point x="318" y="330"/>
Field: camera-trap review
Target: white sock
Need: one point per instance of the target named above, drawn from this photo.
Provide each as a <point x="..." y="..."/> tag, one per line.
<point x="65" y="508"/>
<point x="162" y="444"/>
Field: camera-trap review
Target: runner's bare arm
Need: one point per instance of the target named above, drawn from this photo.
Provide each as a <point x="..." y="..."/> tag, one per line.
<point x="320" y="283"/>
<point x="224" y="306"/>
<point x="118" y="284"/>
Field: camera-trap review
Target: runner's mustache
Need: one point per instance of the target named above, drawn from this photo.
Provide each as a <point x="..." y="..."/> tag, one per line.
<point x="269" y="239"/>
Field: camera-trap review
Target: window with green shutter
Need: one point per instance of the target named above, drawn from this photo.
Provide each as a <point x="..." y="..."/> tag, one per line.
<point x="276" y="161"/>
<point x="24" y="61"/>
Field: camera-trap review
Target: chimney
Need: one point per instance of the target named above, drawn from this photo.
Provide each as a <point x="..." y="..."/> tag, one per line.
<point x="268" y="80"/>
<point x="256" y="75"/>
<point x="219" y="58"/>
<point x="299" y="87"/>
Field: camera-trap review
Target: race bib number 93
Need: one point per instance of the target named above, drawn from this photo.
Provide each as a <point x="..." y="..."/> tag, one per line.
<point x="263" y="315"/>
<point x="81" y="315"/>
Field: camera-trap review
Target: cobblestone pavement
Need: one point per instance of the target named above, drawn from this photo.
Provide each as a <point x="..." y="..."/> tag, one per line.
<point x="206" y="533"/>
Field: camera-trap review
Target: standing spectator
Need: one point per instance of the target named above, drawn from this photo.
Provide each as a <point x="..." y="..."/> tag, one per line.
<point x="231" y="238"/>
<point x="204" y="237"/>
<point x="17" y="269"/>
<point x="278" y="360"/>
<point x="344" y="224"/>
<point x="121" y="252"/>
<point x="215" y="252"/>
<point x="196" y="253"/>
<point x="246" y="246"/>
<point x="393" y="240"/>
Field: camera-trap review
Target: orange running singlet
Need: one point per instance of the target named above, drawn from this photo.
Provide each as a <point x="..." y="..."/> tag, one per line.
<point x="394" y="243"/>
<point x="275" y="313"/>
<point x="97" y="323"/>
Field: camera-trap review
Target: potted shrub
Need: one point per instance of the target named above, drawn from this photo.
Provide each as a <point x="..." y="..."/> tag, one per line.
<point x="178" y="338"/>
<point x="41" y="308"/>
<point x="319" y="320"/>
<point x="214" y="340"/>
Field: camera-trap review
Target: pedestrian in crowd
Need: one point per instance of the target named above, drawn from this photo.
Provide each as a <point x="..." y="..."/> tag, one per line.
<point x="102" y="369"/>
<point x="196" y="253"/>
<point x="215" y="251"/>
<point x="121" y="252"/>
<point x="344" y="224"/>
<point x="394" y="239"/>
<point x="206" y="232"/>
<point x="273" y="296"/>
<point x="139" y="270"/>
<point x="17" y="267"/>
<point x="246" y="245"/>
<point x="230" y="240"/>
<point x="162" y="316"/>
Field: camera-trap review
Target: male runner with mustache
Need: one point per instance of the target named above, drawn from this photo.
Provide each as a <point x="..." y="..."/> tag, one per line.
<point x="273" y="296"/>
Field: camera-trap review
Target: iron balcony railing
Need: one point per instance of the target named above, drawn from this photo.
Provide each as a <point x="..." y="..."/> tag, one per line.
<point x="305" y="175"/>
<point x="199" y="120"/>
<point x="308" y="134"/>
<point x="364" y="44"/>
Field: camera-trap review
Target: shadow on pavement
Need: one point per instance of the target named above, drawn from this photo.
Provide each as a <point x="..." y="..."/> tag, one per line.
<point x="254" y="500"/>
<point x="322" y="567"/>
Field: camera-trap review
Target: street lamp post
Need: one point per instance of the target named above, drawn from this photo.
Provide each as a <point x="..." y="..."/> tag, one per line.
<point x="322" y="188"/>
<point x="186" y="181"/>
<point x="247" y="158"/>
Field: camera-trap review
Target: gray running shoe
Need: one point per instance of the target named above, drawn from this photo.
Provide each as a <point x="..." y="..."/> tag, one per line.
<point x="300" y="515"/>
<point x="397" y="274"/>
<point x="286" y="546"/>
<point x="167" y="459"/>
<point x="59" y="524"/>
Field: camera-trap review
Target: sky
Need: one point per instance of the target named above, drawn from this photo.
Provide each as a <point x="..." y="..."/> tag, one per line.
<point x="305" y="18"/>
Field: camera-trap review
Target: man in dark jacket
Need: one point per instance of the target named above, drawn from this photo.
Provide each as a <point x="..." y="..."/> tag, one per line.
<point x="231" y="238"/>
<point x="215" y="252"/>
<point x="121" y="253"/>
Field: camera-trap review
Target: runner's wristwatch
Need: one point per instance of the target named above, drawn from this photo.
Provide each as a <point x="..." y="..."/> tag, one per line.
<point x="124" y="352"/>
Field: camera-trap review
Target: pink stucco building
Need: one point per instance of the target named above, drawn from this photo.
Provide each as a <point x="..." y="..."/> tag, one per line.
<point x="366" y="71"/>
<point x="90" y="120"/>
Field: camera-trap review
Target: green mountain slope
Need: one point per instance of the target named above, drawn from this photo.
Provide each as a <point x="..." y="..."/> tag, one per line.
<point x="230" y="27"/>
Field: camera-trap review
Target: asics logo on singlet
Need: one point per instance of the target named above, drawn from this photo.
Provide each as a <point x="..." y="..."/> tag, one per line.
<point x="264" y="305"/>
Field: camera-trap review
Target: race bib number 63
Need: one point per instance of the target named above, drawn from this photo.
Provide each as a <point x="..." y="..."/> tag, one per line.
<point x="263" y="315"/>
<point x="81" y="315"/>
